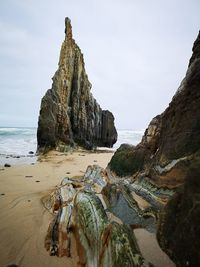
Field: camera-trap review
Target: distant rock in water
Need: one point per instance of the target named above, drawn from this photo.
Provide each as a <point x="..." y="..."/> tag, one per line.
<point x="69" y="114"/>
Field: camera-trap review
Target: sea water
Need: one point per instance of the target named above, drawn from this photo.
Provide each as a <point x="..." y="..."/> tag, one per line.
<point x="17" y="142"/>
<point x="15" y="145"/>
<point x="132" y="137"/>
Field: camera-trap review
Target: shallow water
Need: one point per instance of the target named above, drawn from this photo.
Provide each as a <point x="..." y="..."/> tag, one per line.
<point x="17" y="142"/>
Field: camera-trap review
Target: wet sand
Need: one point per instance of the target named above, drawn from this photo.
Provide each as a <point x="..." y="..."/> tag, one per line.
<point x="24" y="221"/>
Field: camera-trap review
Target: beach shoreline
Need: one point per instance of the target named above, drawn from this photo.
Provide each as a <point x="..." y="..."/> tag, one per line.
<point x="25" y="221"/>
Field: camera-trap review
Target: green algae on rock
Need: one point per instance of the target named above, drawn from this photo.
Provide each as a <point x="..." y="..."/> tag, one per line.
<point x="80" y="214"/>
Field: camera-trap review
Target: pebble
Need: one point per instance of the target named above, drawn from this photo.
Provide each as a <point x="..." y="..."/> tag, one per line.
<point x="7" y="165"/>
<point x="37" y="181"/>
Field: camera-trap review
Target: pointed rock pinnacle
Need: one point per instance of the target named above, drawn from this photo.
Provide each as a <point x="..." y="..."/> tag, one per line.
<point x="68" y="29"/>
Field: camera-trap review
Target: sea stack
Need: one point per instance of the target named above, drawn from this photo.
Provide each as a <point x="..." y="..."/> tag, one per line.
<point x="69" y="114"/>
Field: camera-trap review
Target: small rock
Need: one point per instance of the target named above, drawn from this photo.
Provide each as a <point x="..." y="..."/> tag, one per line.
<point x="2" y="169"/>
<point x="28" y="176"/>
<point x="95" y="160"/>
<point x="2" y="194"/>
<point x="37" y="181"/>
<point x="7" y="165"/>
<point x="29" y="200"/>
<point x="32" y="163"/>
<point x="30" y="152"/>
<point x="67" y="172"/>
<point x="12" y="265"/>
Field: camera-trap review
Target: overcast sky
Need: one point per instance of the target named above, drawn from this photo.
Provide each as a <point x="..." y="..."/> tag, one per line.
<point x="136" y="54"/>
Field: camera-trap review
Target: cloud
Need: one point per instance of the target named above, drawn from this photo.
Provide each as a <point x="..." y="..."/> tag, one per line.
<point x="136" y="53"/>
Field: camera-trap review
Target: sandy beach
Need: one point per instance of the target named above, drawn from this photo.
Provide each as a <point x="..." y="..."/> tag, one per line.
<point x="24" y="220"/>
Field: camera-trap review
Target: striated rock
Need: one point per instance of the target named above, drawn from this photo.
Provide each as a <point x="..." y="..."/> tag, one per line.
<point x="121" y="202"/>
<point x="81" y="215"/>
<point x="119" y="248"/>
<point x="171" y="138"/>
<point x="69" y="114"/>
<point x="179" y="227"/>
<point x="168" y="158"/>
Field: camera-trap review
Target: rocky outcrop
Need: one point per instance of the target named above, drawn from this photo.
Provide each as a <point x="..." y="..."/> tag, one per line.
<point x="69" y="114"/>
<point x="179" y="227"/>
<point x="172" y="137"/>
<point x="81" y="214"/>
<point x="169" y="157"/>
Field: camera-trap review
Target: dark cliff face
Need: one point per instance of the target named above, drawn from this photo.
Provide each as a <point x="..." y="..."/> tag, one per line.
<point x="168" y="155"/>
<point x="179" y="226"/>
<point x="173" y="136"/>
<point x="69" y="114"/>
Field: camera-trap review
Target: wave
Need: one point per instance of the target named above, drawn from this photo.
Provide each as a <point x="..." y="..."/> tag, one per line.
<point x="132" y="137"/>
<point x="12" y="131"/>
<point x="19" y="141"/>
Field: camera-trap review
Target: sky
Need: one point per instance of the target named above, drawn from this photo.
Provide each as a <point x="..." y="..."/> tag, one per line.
<point x="136" y="53"/>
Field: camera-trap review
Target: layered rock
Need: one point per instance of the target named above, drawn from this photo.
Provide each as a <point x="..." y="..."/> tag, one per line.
<point x="172" y="137"/>
<point x="168" y="157"/>
<point x="179" y="226"/>
<point x="81" y="214"/>
<point x="69" y="114"/>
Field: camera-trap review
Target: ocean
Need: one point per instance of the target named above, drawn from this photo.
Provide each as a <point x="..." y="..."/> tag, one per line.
<point x="17" y="142"/>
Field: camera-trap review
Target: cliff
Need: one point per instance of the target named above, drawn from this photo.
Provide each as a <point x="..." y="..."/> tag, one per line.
<point x="69" y="114"/>
<point x="169" y="157"/>
<point x="172" y="137"/>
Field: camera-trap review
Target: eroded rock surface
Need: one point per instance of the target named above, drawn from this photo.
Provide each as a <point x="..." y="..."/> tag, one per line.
<point x="80" y="213"/>
<point x="69" y="114"/>
<point x="168" y="158"/>
<point x="171" y="138"/>
<point x="179" y="227"/>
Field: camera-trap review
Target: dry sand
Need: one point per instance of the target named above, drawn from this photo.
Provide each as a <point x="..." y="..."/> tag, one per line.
<point x="24" y="221"/>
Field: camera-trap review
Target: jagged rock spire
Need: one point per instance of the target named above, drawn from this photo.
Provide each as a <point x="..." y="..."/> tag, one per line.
<point x="68" y="29"/>
<point x="69" y="114"/>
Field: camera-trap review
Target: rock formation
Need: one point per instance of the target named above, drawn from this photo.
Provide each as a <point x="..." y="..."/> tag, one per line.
<point x="179" y="226"/>
<point x="69" y="114"/>
<point x="169" y="157"/>
<point x="154" y="185"/>
<point x="172" y="137"/>
<point x="81" y="214"/>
